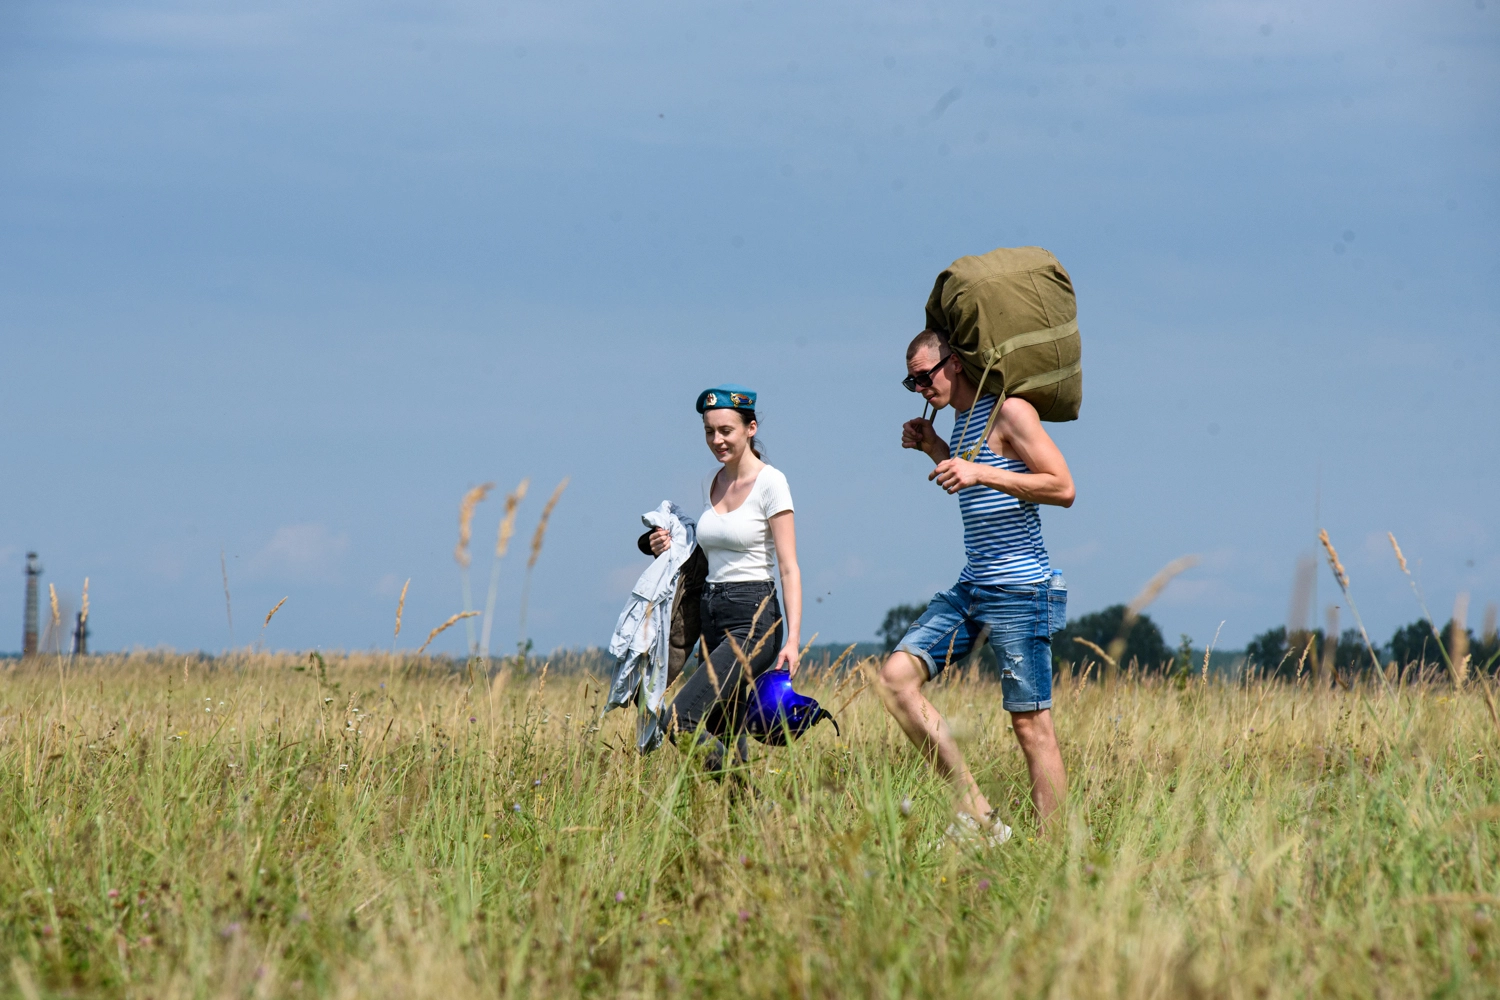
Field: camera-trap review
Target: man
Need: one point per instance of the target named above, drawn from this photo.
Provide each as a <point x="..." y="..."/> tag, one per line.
<point x="1007" y="589"/>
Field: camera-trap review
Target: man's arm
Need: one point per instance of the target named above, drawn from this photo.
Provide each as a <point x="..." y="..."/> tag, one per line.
<point x="920" y="435"/>
<point x="1017" y="426"/>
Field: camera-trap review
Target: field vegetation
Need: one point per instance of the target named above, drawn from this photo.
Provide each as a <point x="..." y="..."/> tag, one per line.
<point x="279" y="826"/>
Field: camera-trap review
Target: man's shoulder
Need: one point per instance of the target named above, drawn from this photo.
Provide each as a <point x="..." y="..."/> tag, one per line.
<point x="1016" y="408"/>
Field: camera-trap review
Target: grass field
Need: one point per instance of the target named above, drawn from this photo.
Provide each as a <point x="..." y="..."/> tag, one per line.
<point x="174" y="827"/>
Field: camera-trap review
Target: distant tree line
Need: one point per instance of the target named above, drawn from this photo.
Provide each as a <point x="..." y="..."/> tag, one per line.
<point x="1273" y="652"/>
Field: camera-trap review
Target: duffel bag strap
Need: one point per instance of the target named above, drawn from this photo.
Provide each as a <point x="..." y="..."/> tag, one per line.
<point x="969" y="453"/>
<point x="1032" y="339"/>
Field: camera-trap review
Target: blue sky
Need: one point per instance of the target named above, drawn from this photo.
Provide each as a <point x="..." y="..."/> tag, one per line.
<point x="283" y="280"/>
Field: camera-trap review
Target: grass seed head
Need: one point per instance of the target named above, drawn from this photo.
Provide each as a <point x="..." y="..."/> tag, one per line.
<point x="1333" y="559"/>
<point x="454" y="620"/>
<point x="541" y="526"/>
<point x="1399" y="557"/>
<point x="56" y="615"/>
<point x="508" y="522"/>
<point x="1458" y="642"/>
<point x="400" y="604"/>
<point x="83" y="610"/>
<point x="466" y="507"/>
<point x="272" y="613"/>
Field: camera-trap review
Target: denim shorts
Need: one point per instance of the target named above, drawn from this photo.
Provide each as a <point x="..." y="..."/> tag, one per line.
<point x="1019" y="620"/>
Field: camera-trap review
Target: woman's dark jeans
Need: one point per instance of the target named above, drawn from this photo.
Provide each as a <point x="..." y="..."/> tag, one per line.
<point x="715" y="694"/>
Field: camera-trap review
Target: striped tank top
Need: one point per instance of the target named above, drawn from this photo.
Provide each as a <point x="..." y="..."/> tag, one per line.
<point x="1002" y="535"/>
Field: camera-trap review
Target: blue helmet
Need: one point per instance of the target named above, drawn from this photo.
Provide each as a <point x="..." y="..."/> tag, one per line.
<point x="776" y="710"/>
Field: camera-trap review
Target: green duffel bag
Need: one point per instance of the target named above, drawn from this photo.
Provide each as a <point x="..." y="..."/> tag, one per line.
<point x="1011" y="317"/>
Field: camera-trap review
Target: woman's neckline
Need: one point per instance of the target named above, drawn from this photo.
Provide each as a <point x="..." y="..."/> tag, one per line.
<point x="725" y="513"/>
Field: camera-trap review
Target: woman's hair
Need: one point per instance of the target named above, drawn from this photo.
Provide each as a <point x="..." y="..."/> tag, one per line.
<point x="746" y="416"/>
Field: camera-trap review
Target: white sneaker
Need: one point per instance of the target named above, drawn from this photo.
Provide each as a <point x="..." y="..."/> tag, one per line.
<point x="965" y="831"/>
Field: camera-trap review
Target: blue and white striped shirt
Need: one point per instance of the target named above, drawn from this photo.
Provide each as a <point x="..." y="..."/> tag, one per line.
<point x="1002" y="535"/>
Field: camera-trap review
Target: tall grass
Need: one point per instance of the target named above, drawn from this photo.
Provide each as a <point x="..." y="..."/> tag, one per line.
<point x="377" y="826"/>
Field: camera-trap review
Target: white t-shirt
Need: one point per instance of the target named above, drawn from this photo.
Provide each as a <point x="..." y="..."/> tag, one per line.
<point x="738" y="544"/>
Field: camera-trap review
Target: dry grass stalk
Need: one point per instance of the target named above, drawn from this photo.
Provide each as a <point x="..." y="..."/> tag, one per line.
<point x="1210" y="651"/>
<point x="228" y="606"/>
<point x="1343" y="579"/>
<point x="536" y="550"/>
<point x="454" y="620"/>
<point x="400" y="605"/>
<point x="56" y="614"/>
<point x="755" y="619"/>
<point x="1100" y="652"/>
<point x="1303" y="581"/>
<point x="1458" y="656"/>
<point x="834" y="666"/>
<point x="1302" y="660"/>
<point x="1333" y="560"/>
<point x="1150" y="592"/>
<point x="1399" y="557"/>
<point x="508" y="522"/>
<point x="541" y="525"/>
<point x="1421" y="602"/>
<point x="502" y="545"/>
<point x="1329" y="664"/>
<point x="272" y="613"/>
<point x="471" y="499"/>
<point x="1491" y="624"/>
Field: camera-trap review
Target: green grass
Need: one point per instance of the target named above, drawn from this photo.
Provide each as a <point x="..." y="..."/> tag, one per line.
<point x="176" y="828"/>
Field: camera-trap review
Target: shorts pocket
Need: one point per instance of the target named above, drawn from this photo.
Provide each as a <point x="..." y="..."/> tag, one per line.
<point x="1057" y="609"/>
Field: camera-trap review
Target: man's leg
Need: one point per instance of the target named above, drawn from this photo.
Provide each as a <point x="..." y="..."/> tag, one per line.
<point x="1049" y="782"/>
<point x="900" y="686"/>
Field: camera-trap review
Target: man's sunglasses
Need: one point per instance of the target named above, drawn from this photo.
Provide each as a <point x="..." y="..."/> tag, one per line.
<point x="923" y="380"/>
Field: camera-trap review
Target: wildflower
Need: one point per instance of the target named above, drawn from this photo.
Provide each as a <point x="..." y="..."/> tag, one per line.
<point x="744" y="915"/>
<point x="486" y="836"/>
<point x="113" y="894"/>
<point x="984" y="885"/>
<point x="48" y="930"/>
<point x="619" y="897"/>
<point x="473" y="719"/>
<point x="230" y="931"/>
<point x="517" y="807"/>
<point x="906" y="807"/>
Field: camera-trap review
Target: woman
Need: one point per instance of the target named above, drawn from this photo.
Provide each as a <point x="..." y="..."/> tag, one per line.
<point x="747" y="521"/>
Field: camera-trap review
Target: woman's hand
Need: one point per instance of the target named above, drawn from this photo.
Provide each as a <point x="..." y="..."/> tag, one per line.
<point x="661" y="541"/>
<point x="787" y="658"/>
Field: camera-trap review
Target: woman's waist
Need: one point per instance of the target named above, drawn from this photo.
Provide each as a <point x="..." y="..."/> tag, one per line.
<point x="738" y="588"/>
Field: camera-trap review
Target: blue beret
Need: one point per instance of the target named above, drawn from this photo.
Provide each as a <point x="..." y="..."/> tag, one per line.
<point x="726" y="397"/>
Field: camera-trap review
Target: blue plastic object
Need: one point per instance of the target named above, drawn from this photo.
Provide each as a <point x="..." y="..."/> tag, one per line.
<point x="777" y="711"/>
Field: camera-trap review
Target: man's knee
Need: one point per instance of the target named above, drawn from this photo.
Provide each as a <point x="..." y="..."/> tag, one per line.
<point x="1034" y="729"/>
<point x="900" y="675"/>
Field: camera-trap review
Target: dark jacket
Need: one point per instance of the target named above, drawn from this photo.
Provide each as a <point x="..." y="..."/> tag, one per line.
<point x="687" y="628"/>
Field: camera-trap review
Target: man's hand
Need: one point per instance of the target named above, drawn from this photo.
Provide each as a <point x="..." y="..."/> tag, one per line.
<point x="661" y="541"/>
<point x="955" y="474"/>
<point x="918" y="434"/>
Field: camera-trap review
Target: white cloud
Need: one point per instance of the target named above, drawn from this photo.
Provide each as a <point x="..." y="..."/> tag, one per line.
<point x="302" y="551"/>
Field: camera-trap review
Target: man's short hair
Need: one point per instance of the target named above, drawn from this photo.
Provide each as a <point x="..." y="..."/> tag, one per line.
<point x="936" y="339"/>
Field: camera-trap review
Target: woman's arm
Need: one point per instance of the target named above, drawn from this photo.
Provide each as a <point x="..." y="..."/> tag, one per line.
<point x="784" y="534"/>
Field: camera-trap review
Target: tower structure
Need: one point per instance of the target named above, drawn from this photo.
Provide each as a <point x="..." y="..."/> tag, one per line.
<point x="81" y="636"/>
<point x="29" y="635"/>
